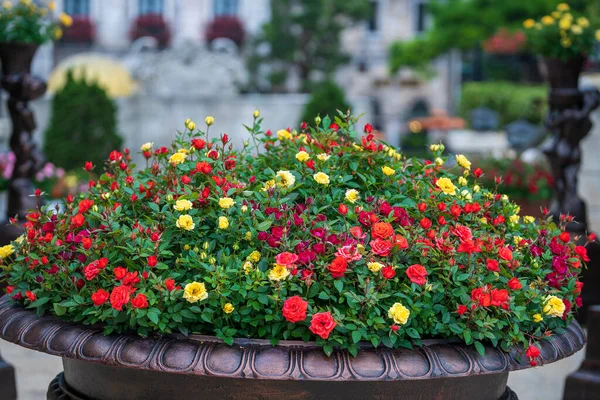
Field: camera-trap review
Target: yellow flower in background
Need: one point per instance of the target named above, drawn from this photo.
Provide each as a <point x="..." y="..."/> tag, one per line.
<point x="65" y="20"/>
<point x="228" y="308"/>
<point x="244" y="208"/>
<point x="52" y="6"/>
<point x="598" y="35"/>
<point x="177" y="158"/>
<point x="466" y="195"/>
<point x="563" y="7"/>
<point x="434" y="147"/>
<point x="286" y="178"/>
<point x="256" y="114"/>
<point x="182" y="205"/>
<point x="278" y="273"/>
<point x="226" y="202"/>
<point x="191" y="125"/>
<point x="476" y="188"/>
<point x="254" y="256"/>
<point x="565" y="42"/>
<point x="147" y="146"/>
<point x="528" y="219"/>
<point x="514" y="219"/>
<point x="323" y="157"/>
<point x="7" y="4"/>
<point x="388" y="171"/>
<point x="195" y="292"/>
<point x="462" y="181"/>
<point x="248" y="266"/>
<point x="537" y="318"/>
<point x="554" y="307"/>
<point x="223" y="222"/>
<point x="283" y="134"/>
<point x="6" y="251"/>
<point x="399" y="313"/>
<point x="321" y="178"/>
<point x="375" y="266"/>
<point x="209" y="120"/>
<point x="352" y="195"/>
<point x="547" y="20"/>
<point x="439" y="161"/>
<point x="583" y="22"/>
<point x="268" y="185"/>
<point x="446" y="185"/>
<point x="185" y="222"/>
<point x="565" y="23"/>
<point x="58" y="33"/>
<point x="463" y="161"/>
<point x="528" y="23"/>
<point x="302" y="156"/>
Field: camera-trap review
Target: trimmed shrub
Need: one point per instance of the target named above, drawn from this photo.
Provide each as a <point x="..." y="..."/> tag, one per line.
<point x="325" y="99"/>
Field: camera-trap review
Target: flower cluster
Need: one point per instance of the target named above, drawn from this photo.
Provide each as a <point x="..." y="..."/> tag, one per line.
<point x="319" y="234"/>
<point x="26" y="22"/>
<point x="562" y="34"/>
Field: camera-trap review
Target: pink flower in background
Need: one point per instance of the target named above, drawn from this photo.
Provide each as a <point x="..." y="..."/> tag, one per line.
<point x="7" y="164"/>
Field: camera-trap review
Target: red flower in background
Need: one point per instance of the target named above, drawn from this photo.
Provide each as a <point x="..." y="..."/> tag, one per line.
<point x="515" y="284"/>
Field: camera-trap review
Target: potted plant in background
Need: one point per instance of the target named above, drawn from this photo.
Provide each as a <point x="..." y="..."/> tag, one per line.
<point x="153" y="25"/>
<point x="309" y="262"/>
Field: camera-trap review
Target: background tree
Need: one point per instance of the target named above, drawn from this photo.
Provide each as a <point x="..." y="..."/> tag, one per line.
<point x="304" y="36"/>
<point x="326" y="99"/>
<point x="83" y="125"/>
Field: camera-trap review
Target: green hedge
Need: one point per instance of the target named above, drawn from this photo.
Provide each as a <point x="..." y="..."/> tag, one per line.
<point x="511" y="101"/>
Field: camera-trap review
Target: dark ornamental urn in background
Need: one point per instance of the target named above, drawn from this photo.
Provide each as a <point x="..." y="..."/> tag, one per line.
<point x="22" y="88"/>
<point x="569" y="123"/>
<point x="128" y="367"/>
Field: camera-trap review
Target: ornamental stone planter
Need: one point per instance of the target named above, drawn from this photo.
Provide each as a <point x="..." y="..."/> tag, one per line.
<point x="176" y="367"/>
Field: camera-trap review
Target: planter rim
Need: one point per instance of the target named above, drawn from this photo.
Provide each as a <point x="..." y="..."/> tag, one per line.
<point x="257" y="359"/>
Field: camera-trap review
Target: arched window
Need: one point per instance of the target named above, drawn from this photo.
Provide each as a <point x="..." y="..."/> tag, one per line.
<point x="146" y="7"/>
<point x="225" y="7"/>
<point x="77" y="8"/>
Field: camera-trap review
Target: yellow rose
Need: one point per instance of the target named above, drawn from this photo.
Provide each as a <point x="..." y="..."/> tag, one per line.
<point x="191" y="125"/>
<point x="278" y="273"/>
<point x="228" y="308"/>
<point x="388" y="171"/>
<point x="399" y="313"/>
<point x="185" y="222"/>
<point x="177" y="158"/>
<point x="182" y="205"/>
<point x="283" y="134"/>
<point x="256" y="113"/>
<point x="248" y="266"/>
<point x="583" y="22"/>
<point x="565" y="42"/>
<point x="286" y="178"/>
<point x="563" y="7"/>
<point x="268" y="185"/>
<point x="528" y="23"/>
<point x="547" y="20"/>
<point x="58" y="33"/>
<point x="476" y="188"/>
<point x="554" y="307"/>
<point x="577" y="30"/>
<point x="375" y="266"/>
<point x="147" y="146"/>
<point x="226" y="202"/>
<point x="321" y="178"/>
<point x="248" y="235"/>
<point x="52" y="5"/>
<point x="195" y="292"/>
<point x="6" y="251"/>
<point x="223" y="222"/>
<point x="514" y="219"/>
<point x="434" y="147"/>
<point x="244" y="208"/>
<point x="528" y="219"/>
<point x="463" y="161"/>
<point x="209" y="120"/>
<point x="65" y="20"/>
<point x="254" y="256"/>
<point x="598" y="35"/>
<point x="323" y="157"/>
<point x="466" y="194"/>
<point x="537" y="318"/>
<point x="446" y="185"/>
<point x="352" y="195"/>
<point x="565" y="23"/>
<point x="462" y="181"/>
<point x="302" y="156"/>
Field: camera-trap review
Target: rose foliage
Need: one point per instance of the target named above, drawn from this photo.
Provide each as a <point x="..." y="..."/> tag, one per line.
<point x="318" y="234"/>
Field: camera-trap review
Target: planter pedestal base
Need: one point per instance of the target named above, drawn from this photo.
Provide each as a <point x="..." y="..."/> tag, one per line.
<point x="7" y="381"/>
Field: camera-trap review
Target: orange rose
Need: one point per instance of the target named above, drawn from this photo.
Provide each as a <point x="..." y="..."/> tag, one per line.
<point x="382" y="230"/>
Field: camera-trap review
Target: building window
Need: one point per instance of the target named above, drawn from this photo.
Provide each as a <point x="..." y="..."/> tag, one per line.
<point x="146" y="7"/>
<point x="225" y="7"/>
<point x="421" y="17"/>
<point x="77" y="8"/>
<point x="374" y="16"/>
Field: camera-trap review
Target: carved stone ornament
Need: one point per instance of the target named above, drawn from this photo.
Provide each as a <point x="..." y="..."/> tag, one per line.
<point x="174" y="366"/>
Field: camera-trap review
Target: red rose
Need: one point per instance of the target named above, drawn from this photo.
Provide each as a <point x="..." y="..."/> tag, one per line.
<point x="170" y="284"/>
<point x="120" y="296"/>
<point x="152" y="261"/>
<point x="89" y="166"/>
<point x="357" y="232"/>
<point x="288" y="259"/>
<point x="463" y="233"/>
<point x="91" y="270"/>
<point x="322" y="324"/>
<point x="564" y="237"/>
<point x="417" y="274"/>
<point x="582" y="252"/>
<point x="338" y="267"/>
<point x="348" y="253"/>
<point x="499" y="298"/>
<point x="515" y="284"/>
<point x="204" y="167"/>
<point x="578" y="287"/>
<point x="425" y="223"/>
<point x="505" y="254"/>
<point x="382" y="230"/>
<point x="381" y="247"/>
<point x="10" y="289"/>
<point x="400" y="242"/>
<point x="388" y="272"/>
<point x="139" y="301"/>
<point x="131" y="279"/>
<point x="30" y="295"/>
<point x="493" y="265"/>
<point x="120" y="273"/>
<point x="461" y="309"/>
<point x="477" y="172"/>
<point x="85" y="205"/>
<point x="100" y="297"/>
<point x="368" y="128"/>
<point x="343" y="209"/>
<point x="469" y="247"/>
<point x="481" y="296"/>
<point x="86" y="242"/>
<point x="77" y="221"/>
<point x="294" y="309"/>
<point x="532" y="353"/>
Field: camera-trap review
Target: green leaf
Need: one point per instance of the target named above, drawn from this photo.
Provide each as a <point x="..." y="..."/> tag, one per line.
<point x="59" y="310"/>
<point x="263" y="226"/>
<point x="153" y="317"/>
<point x="339" y="285"/>
<point x="356" y="336"/>
<point x="480" y="348"/>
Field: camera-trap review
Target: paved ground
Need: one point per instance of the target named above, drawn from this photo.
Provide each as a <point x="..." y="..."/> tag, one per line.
<point x="35" y="370"/>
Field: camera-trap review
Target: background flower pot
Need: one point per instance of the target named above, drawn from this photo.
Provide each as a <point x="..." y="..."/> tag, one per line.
<point x="175" y="367"/>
